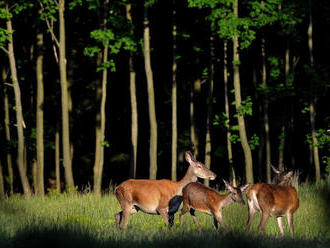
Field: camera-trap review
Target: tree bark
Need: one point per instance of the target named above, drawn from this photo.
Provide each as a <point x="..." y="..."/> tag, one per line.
<point x="265" y="111"/>
<point x="312" y="110"/>
<point x="67" y="162"/>
<point x="283" y="129"/>
<point x="57" y="161"/>
<point x="151" y="99"/>
<point x="195" y="87"/>
<point x="100" y="117"/>
<point x="134" y="111"/>
<point x="8" y="138"/>
<point x="19" y="112"/>
<point x="240" y="117"/>
<point x="2" y="185"/>
<point x="40" y="189"/>
<point x="227" y="112"/>
<point x="174" y="100"/>
<point x="208" y="144"/>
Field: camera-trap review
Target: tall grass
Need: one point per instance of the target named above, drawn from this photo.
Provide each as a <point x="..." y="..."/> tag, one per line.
<point x="84" y="220"/>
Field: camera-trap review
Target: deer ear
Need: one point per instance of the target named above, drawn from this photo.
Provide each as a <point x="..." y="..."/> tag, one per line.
<point x="288" y="175"/>
<point x="188" y="156"/>
<point x="228" y="186"/>
<point x="275" y="170"/>
<point x="243" y="188"/>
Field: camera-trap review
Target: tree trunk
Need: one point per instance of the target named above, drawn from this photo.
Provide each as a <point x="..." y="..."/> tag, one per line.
<point x="227" y="112"/>
<point x="240" y="117"/>
<point x="312" y="110"/>
<point x="2" y="185"/>
<point x="134" y="111"/>
<point x="57" y="161"/>
<point x="208" y="144"/>
<point x="174" y="102"/>
<point x="265" y="111"/>
<point x="65" y="105"/>
<point x="283" y="129"/>
<point x="151" y="99"/>
<point x="19" y="113"/>
<point x="8" y="138"/>
<point x="40" y="189"/>
<point x="195" y="87"/>
<point x="100" y="117"/>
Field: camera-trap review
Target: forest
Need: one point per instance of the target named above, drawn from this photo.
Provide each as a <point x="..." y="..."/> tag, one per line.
<point x="94" y="92"/>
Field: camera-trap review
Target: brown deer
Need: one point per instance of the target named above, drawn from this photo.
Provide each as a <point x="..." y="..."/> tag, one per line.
<point x="197" y="196"/>
<point x="162" y="197"/>
<point x="276" y="200"/>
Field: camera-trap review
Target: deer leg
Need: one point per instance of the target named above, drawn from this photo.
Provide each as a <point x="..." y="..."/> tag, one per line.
<point x="124" y="215"/>
<point x="289" y="217"/>
<point x="264" y="218"/>
<point x="192" y="213"/>
<point x="252" y="212"/>
<point x="215" y="223"/>
<point x="184" y="210"/>
<point x="218" y="217"/>
<point x="171" y="219"/>
<point x="164" y="214"/>
<point x="118" y="217"/>
<point x="280" y="224"/>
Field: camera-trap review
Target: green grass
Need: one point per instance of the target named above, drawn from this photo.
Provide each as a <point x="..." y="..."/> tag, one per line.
<point x="88" y="221"/>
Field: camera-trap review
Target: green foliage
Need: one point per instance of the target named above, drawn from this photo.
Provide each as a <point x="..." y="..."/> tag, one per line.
<point x="105" y="143"/>
<point x="322" y="136"/>
<point x="246" y="107"/>
<point x="274" y="67"/>
<point x="4" y="37"/>
<point x="50" y="9"/>
<point x="254" y="142"/>
<point x="75" y="3"/>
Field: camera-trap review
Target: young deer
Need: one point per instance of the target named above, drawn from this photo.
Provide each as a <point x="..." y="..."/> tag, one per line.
<point x="197" y="196"/>
<point x="161" y="197"/>
<point x="276" y="200"/>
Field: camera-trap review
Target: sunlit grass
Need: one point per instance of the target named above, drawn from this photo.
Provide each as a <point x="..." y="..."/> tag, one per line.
<point x="87" y="220"/>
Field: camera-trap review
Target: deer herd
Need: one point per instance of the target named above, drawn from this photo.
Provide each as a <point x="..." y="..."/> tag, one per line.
<point x="164" y="197"/>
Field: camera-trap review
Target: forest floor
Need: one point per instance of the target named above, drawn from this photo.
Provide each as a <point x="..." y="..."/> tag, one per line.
<point x="84" y="220"/>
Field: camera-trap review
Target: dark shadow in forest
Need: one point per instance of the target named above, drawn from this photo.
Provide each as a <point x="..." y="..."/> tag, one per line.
<point x="61" y="238"/>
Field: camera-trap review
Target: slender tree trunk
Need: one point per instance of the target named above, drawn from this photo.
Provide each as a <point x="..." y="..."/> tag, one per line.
<point x="100" y="117"/>
<point x="134" y="111"/>
<point x="227" y="112"/>
<point x="19" y="113"/>
<point x="312" y="110"/>
<point x="195" y="87"/>
<point x="208" y="144"/>
<point x="40" y="189"/>
<point x="283" y="129"/>
<point x="67" y="162"/>
<point x="57" y="161"/>
<point x="174" y="101"/>
<point x="2" y="184"/>
<point x="265" y="111"/>
<point x="151" y="99"/>
<point x="8" y="138"/>
<point x="240" y="117"/>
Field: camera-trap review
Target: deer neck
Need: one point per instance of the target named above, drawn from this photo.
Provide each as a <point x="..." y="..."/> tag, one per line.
<point x="227" y="200"/>
<point x="188" y="178"/>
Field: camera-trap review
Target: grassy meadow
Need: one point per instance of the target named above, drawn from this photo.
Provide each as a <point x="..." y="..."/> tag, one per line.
<point x="84" y="220"/>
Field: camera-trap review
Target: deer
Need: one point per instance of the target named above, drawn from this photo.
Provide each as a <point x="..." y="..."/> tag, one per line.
<point x="198" y="197"/>
<point x="160" y="197"/>
<point x="275" y="200"/>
